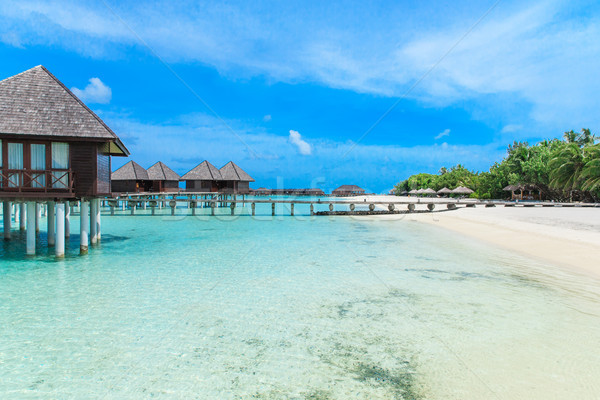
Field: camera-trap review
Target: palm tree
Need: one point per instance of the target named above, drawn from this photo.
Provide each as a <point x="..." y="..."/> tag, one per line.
<point x="566" y="167"/>
<point x="591" y="171"/>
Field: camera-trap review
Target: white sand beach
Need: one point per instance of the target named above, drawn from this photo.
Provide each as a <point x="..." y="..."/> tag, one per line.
<point x="568" y="237"/>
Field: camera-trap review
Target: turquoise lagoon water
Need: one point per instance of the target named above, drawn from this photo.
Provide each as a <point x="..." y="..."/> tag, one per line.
<point x="291" y="308"/>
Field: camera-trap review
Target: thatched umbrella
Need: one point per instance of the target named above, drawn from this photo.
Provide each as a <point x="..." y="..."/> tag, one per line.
<point x="462" y="190"/>
<point x="444" y="190"/>
<point x="414" y="191"/>
<point x="428" y="191"/>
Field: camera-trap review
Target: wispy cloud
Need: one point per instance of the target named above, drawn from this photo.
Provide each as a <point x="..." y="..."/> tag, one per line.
<point x="267" y="118"/>
<point x="445" y="132"/>
<point x="511" y="128"/>
<point x="520" y="50"/>
<point x="303" y="147"/>
<point x="95" y="92"/>
<point x="205" y="137"/>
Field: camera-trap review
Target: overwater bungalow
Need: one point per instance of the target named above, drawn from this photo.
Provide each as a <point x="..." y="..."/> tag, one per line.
<point x="131" y="178"/>
<point x="163" y="178"/>
<point x="348" y="190"/>
<point x="53" y="149"/>
<point x="204" y="177"/>
<point x="234" y="179"/>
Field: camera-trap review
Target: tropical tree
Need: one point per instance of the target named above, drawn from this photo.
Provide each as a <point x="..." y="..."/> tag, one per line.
<point x="566" y="166"/>
<point x="590" y="174"/>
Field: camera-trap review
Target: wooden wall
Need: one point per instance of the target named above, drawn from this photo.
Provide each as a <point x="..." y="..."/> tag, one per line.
<point x="83" y="164"/>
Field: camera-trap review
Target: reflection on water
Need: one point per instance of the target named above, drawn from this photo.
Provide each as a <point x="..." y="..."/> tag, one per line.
<point x="271" y="308"/>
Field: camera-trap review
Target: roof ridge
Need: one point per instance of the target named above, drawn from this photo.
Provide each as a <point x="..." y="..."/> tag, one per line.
<point x="21" y="73"/>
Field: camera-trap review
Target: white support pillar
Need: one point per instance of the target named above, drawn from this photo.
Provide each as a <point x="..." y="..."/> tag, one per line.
<point x="93" y="222"/>
<point x="23" y="216"/>
<point x="51" y="223"/>
<point x="6" y="208"/>
<point x="98" y="220"/>
<point x="84" y="222"/>
<point x="31" y="219"/>
<point x="59" y="248"/>
<point x="38" y="216"/>
<point x="67" y="219"/>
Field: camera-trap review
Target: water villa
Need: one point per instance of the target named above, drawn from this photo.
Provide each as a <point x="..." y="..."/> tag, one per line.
<point x="204" y="177"/>
<point x="54" y="149"/>
<point x="234" y="179"/>
<point x="348" y="190"/>
<point x="163" y="178"/>
<point x="130" y="178"/>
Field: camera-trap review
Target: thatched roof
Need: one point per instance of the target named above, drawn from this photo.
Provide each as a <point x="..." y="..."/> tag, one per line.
<point x="428" y="191"/>
<point x="131" y="171"/>
<point x="444" y="190"/>
<point x="511" y="188"/>
<point x="35" y="103"/>
<point x="414" y="191"/>
<point x="232" y="172"/>
<point x="204" y="171"/>
<point x="160" y="172"/>
<point x="462" y="190"/>
<point x="349" y="188"/>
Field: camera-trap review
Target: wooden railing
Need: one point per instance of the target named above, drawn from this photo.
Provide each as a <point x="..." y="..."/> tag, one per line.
<point x="43" y="181"/>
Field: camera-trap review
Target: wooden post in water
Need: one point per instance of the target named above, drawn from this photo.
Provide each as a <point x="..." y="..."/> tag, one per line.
<point x="59" y="248"/>
<point x="253" y="207"/>
<point x="312" y="209"/>
<point x="232" y="206"/>
<point x="67" y="219"/>
<point x="22" y="216"/>
<point x="212" y="208"/>
<point x="352" y="207"/>
<point x="98" y="221"/>
<point x="112" y="208"/>
<point x="173" y="204"/>
<point x="51" y="223"/>
<point x="38" y="215"/>
<point x="330" y="207"/>
<point x="273" y="209"/>
<point x="93" y="223"/>
<point x="132" y="207"/>
<point x="31" y="218"/>
<point x="6" y="209"/>
<point x="292" y="209"/>
<point x="84" y="226"/>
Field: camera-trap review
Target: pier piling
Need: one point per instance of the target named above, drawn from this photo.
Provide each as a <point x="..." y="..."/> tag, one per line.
<point x="67" y="219"/>
<point x="22" y="216"/>
<point x="84" y="222"/>
<point x="51" y="223"/>
<point x="59" y="248"/>
<point x="253" y="207"/>
<point x="31" y="219"/>
<point x="6" y="208"/>
<point x="93" y="223"/>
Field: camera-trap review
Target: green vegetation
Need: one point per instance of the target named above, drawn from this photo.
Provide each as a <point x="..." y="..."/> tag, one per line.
<point x="567" y="169"/>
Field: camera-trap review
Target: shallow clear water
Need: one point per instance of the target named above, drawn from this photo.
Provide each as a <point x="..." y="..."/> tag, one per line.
<point x="240" y="307"/>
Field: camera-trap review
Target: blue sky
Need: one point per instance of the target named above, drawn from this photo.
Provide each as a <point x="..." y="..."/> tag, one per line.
<point x="292" y="91"/>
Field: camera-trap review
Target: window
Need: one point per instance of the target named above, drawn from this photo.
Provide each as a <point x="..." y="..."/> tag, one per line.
<point x="38" y="163"/>
<point x="60" y="161"/>
<point x="15" y="161"/>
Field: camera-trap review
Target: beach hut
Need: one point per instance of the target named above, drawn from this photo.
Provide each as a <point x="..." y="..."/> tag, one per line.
<point x="262" y="191"/>
<point x="163" y="178"/>
<point x="524" y="192"/>
<point x="444" y="191"/>
<point x="348" y="190"/>
<point x="234" y="179"/>
<point x="130" y="178"/>
<point x="204" y="177"/>
<point x="461" y="190"/>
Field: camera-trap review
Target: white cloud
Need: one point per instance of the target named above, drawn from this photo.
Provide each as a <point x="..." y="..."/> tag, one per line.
<point x="440" y="135"/>
<point x="511" y="128"/>
<point x="544" y="53"/>
<point x="267" y="118"/>
<point x="95" y="92"/>
<point x="303" y="147"/>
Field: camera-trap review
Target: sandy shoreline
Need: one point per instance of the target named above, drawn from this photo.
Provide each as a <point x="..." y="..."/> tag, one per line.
<point x="567" y="237"/>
